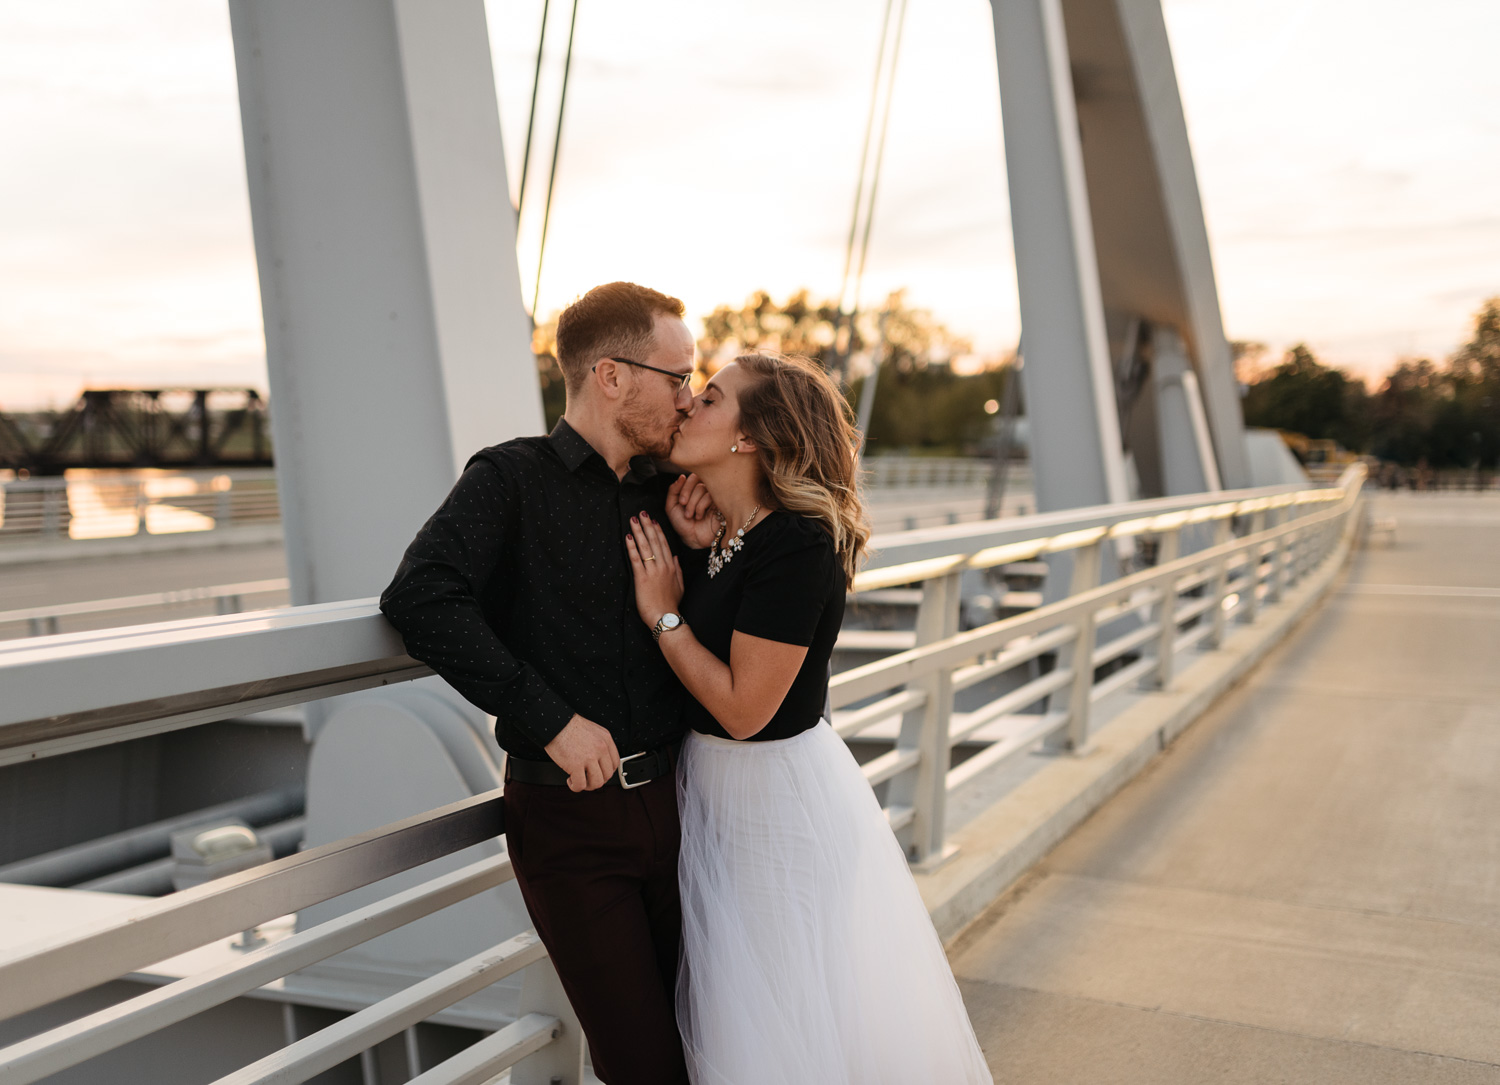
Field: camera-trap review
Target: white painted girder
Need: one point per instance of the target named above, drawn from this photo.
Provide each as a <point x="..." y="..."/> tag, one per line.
<point x="1068" y="378"/>
<point x="396" y="339"/>
<point x="1152" y="243"/>
<point x="1109" y="232"/>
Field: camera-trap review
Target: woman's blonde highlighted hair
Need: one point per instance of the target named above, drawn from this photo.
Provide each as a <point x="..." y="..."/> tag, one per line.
<point x="808" y="446"/>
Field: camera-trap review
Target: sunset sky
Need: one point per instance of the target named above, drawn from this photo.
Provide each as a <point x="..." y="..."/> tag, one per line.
<point x="1348" y="153"/>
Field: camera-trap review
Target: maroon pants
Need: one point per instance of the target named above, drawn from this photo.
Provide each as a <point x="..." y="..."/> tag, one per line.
<point x="598" y="872"/>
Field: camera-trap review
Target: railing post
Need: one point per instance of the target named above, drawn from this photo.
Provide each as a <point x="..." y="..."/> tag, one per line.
<point x="1281" y="556"/>
<point x="54" y="498"/>
<point x="925" y="786"/>
<point x="1302" y="556"/>
<point x="1168" y="547"/>
<point x="1223" y="533"/>
<point x="1316" y="542"/>
<point x="1298" y="557"/>
<point x="1252" y="570"/>
<point x="141" y="501"/>
<point x="1081" y="656"/>
<point x="1278" y="557"/>
<point x="561" y="1061"/>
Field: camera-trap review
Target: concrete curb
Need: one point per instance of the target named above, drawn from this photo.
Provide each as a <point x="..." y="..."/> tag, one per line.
<point x="71" y="549"/>
<point x="1000" y="845"/>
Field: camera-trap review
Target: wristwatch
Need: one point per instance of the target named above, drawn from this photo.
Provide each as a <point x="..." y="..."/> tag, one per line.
<point x="665" y="624"/>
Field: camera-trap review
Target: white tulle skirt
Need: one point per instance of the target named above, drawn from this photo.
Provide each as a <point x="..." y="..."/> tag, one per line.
<point x="808" y="956"/>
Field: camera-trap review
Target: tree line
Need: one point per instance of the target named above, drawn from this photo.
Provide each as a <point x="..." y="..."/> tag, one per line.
<point x="922" y="403"/>
<point x="1422" y="414"/>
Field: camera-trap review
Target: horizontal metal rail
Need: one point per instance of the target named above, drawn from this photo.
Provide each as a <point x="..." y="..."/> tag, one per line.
<point x="158" y="929"/>
<point x="860" y="719"/>
<point x="43" y="620"/>
<point x="905" y="667"/>
<point x="902" y="557"/>
<point x="1112" y="650"/>
<point x="886" y="472"/>
<point x="1012" y="655"/>
<point x="482" y="1062"/>
<point x="80" y="862"/>
<point x="57" y="510"/>
<point x="1029" y="694"/>
<point x="1036" y="729"/>
<point x="1125" y="676"/>
<point x="87" y="689"/>
<point x="328" y="1047"/>
<point x="103" y="1031"/>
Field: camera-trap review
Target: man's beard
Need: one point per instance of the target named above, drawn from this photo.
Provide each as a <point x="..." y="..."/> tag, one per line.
<point x="637" y="426"/>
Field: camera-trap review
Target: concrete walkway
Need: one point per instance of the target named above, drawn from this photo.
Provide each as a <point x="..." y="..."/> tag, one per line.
<point x="1305" y="888"/>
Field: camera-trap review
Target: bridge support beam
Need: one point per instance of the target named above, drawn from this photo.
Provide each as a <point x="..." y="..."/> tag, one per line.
<point x="1069" y="386"/>
<point x="1154" y="257"/>
<point x="396" y="338"/>
<point x="1188" y="463"/>
<point x="398" y="345"/>
<point x="1109" y="235"/>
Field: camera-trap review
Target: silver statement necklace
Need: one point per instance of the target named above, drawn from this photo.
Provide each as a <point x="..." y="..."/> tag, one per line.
<point x="720" y="553"/>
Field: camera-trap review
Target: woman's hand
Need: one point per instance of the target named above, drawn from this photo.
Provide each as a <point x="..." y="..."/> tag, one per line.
<point x="690" y="510"/>
<point x="658" y="577"/>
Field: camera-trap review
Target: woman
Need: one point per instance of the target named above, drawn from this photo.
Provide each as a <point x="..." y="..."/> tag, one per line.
<point x="807" y="953"/>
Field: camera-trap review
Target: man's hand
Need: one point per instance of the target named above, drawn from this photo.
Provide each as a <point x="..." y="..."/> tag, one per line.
<point x="586" y="752"/>
<point x="690" y="511"/>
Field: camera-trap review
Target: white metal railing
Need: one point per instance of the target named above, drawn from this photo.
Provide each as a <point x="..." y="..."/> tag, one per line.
<point x="892" y="472"/>
<point x="1179" y="604"/>
<point x="116" y="504"/>
<point x="225" y="599"/>
<point x="161" y="928"/>
<point x="123" y="503"/>
<point x="79" y="690"/>
<point x="111" y="505"/>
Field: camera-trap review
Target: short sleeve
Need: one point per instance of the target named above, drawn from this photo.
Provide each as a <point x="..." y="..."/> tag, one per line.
<point x="787" y="591"/>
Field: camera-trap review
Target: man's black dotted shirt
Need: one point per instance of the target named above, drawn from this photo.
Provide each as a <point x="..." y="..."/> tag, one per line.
<point x="518" y="592"/>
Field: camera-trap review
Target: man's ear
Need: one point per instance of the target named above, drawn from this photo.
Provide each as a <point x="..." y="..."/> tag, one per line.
<point x="606" y="378"/>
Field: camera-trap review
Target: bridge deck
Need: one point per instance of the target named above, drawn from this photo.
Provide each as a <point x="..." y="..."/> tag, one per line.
<point x="1306" y="887"/>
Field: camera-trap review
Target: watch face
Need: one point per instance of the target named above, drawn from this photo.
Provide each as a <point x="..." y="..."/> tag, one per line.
<point x="670" y="621"/>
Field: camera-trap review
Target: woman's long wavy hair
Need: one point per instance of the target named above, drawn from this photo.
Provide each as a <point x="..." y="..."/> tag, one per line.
<point x="808" y="447"/>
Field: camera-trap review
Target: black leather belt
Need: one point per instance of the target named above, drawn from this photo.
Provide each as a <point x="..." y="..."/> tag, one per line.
<point x="635" y="769"/>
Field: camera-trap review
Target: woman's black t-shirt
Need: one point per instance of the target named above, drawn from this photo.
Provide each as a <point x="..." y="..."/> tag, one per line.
<point x="785" y="585"/>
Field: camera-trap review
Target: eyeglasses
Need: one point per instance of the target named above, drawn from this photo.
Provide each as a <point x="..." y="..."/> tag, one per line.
<point x="680" y="379"/>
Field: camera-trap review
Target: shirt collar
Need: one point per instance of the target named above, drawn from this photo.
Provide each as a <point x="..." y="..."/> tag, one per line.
<point x="574" y="451"/>
<point x="570" y="446"/>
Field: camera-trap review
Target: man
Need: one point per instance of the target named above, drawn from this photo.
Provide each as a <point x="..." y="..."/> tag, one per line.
<point x="519" y="593"/>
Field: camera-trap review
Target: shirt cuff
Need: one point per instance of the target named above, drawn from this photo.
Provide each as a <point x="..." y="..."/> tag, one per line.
<point x="539" y="713"/>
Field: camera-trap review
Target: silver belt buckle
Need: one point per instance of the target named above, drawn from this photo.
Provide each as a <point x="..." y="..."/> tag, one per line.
<point x="620" y="772"/>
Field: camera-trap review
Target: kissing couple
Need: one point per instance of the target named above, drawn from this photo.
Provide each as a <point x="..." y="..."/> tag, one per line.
<point x="646" y="600"/>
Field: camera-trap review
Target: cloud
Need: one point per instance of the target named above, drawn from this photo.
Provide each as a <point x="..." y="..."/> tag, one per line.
<point x="1347" y="155"/>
